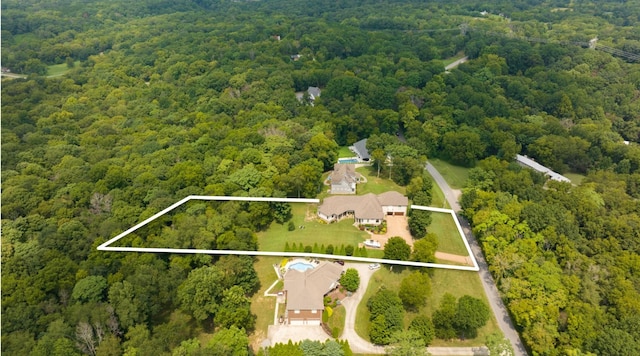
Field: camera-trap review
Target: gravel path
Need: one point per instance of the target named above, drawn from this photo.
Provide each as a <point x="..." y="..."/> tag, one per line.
<point x="490" y="289"/>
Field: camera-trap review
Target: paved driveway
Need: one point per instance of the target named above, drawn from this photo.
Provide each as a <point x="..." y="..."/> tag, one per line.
<point x="396" y="226"/>
<point x="295" y="333"/>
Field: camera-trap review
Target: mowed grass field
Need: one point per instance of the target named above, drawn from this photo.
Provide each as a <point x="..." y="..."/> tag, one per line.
<point x="59" y="69"/>
<point x="457" y="283"/>
<point x="314" y="231"/>
<point x="449" y="239"/>
<point x="437" y="197"/>
<point x="345" y="152"/>
<point x="455" y="176"/>
<point x="263" y="307"/>
<point x="376" y="185"/>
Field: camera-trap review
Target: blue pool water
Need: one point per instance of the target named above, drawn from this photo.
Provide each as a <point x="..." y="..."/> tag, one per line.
<point x="301" y="266"/>
<point x="347" y="160"/>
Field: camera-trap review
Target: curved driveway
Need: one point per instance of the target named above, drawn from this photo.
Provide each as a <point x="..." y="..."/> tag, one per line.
<point x="490" y="289"/>
<point x="360" y="345"/>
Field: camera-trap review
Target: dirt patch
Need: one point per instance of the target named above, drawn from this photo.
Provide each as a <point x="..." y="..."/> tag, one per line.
<point x="311" y="213"/>
<point x="463" y="260"/>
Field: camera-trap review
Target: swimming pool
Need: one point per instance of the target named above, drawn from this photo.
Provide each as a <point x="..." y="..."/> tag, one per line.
<point x="347" y="160"/>
<point x="301" y="266"/>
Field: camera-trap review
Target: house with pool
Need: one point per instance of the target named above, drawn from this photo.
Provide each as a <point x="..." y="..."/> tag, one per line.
<point x="368" y="209"/>
<point x="305" y="285"/>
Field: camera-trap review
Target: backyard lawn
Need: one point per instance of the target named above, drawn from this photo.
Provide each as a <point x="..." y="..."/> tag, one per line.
<point x="576" y="178"/>
<point x="345" y="152"/>
<point x="449" y="239"/>
<point x="374" y="184"/>
<point x="263" y="307"/>
<point x="458" y="283"/>
<point x="437" y="197"/>
<point x="314" y="231"/>
<point x="455" y="176"/>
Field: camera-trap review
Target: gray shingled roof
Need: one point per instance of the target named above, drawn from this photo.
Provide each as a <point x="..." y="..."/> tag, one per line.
<point x="361" y="148"/>
<point x="314" y="92"/>
<point x="306" y="290"/>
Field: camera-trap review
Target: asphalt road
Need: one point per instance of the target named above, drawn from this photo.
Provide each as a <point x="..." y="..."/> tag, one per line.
<point x="456" y="63"/>
<point x="489" y="285"/>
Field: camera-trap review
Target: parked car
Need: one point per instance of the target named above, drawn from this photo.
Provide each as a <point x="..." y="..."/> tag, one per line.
<point x="374" y="266"/>
<point x="372" y="243"/>
<point x="340" y="262"/>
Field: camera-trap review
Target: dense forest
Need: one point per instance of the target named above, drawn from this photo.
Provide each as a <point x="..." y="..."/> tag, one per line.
<point x="163" y="99"/>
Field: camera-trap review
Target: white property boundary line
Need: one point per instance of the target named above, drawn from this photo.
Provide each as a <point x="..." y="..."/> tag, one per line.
<point x="105" y="246"/>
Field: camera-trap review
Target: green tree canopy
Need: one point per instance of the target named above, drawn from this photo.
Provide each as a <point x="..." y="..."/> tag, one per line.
<point x="397" y="248"/>
<point x="350" y="279"/>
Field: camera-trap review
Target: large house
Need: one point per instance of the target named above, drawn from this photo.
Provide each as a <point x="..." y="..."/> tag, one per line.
<point x="530" y="163"/>
<point x="306" y="290"/>
<point x="344" y="179"/>
<point x="369" y="209"/>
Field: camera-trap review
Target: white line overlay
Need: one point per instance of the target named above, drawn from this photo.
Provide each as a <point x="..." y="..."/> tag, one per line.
<point x="105" y="246"/>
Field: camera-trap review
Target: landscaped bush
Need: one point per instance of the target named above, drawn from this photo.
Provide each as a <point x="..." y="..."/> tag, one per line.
<point x="291" y="226"/>
<point x="329" y="250"/>
<point x="350" y="279"/>
<point x="348" y="251"/>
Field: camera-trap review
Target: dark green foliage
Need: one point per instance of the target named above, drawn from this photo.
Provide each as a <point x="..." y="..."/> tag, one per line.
<point x="397" y="248"/>
<point x="424" y="249"/>
<point x="471" y="314"/>
<point x="414" y="290"/>
<point x="291" y="226"/>
<point x="386" y="315"/>
<point x="419" y="220"/>
<point x="348" y="250"/>
<point x="424" y="327"/>
<point x="232" y="341"/>
<point x="350" y="279"/>
<point x="329" y="250"/>
<point x="443" y="318"/>
<point x="171" y="99"/>
<point x="90" y="289"/>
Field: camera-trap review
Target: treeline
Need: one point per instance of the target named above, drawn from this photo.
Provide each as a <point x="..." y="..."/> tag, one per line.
<point x="565" y="257"/>
<point x="179" y="98"/>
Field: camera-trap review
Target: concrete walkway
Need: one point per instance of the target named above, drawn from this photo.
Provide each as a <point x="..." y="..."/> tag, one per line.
<point x="489" y="285"/>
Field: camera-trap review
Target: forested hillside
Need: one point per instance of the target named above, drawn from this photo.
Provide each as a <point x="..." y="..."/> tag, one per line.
<point x="163" y="99"/>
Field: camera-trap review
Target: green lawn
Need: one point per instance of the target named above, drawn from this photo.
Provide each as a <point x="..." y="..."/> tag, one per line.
<point x="449" y="239"/>
<point x="443" y="281"/>
<point x="576" y="178"/>
<point x="374" y="184"/>
<point x="315" y="231"/>
<point x="455" y="176"/>
<point x="263" y="307"/>
<point x="59" y="69"/>
<point x="345" y="152"/>
<point x="337" y="319"/>
<point x="437" y="197"/>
